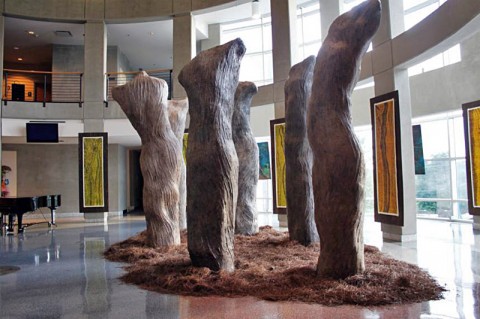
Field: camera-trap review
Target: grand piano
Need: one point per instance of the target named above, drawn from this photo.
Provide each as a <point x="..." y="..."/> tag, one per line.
<point x="17" y="206"/>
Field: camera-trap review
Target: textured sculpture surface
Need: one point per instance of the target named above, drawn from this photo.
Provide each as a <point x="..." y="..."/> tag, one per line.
<point x="247" y="151"/>
<point x="210" y="81"/>
<point x="338" y="166"/>
<point x="298" y="154"/>
<point x="144" y="101"/>
<point x="177" y="115"/>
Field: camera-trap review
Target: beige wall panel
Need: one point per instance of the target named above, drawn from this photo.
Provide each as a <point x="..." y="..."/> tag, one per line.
<point x="140" y="10"/>
<point x="94" y="9"/>
<point x="47" y="9"/>
<point x="182" y="6"/>
<point x="264" y="95"/>
<point x="203" y="4"/>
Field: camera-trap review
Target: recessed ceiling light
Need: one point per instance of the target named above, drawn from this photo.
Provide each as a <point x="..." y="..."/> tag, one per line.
<point x="31" y="32"/>
<point x="16" y="48"/>
<point x="19" y="59"/>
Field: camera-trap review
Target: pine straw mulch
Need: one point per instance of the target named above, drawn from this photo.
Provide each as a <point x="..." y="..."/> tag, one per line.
<point x="271" y="267"/>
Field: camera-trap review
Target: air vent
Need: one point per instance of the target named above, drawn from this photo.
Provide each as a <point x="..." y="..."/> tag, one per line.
<point x="63" y="34"/>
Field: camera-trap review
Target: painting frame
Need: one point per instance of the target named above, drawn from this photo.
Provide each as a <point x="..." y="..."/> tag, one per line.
<point x="387" y="159"/>
<point x="93" y="196"/>
<point x="472" y="140"/>
<point x="278" y="208"/>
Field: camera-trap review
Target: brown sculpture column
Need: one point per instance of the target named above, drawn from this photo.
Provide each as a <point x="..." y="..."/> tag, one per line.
<point x="210" y="81"/>
<point x="298" y="154"/>
<point x="144" y="101"/>
<point x="338" y="166"/>
<point x="247" y="151"/>
<point x="177" y="116"/>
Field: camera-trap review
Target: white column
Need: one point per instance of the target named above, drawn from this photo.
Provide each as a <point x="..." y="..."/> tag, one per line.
<point x="387" y="79"/>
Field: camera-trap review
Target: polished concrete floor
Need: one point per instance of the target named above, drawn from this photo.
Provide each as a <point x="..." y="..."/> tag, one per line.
<point x="60" y="273"/>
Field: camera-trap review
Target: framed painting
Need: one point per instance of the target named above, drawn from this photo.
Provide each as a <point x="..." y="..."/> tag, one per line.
<point x="264" y="161"/>
<point x="471" y="121"/>
<point x="184" y="146"/>
<point x="277" y="135"/>
<point x="418" y="158"/>
<point x="93" y="169"/>
<point x="387" y="168"/>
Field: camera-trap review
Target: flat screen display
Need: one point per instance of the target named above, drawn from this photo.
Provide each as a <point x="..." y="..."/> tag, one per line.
<point x="42" y="132"/>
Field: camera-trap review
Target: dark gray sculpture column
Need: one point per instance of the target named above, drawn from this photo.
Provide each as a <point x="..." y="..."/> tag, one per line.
<point x="247" y="151"/>
<point x="298" y="154"/>
<point x="177" y="115"/>
<point x="210" y="81"/>
<point x="144" y="101"/>
<point x="338" y="166"/>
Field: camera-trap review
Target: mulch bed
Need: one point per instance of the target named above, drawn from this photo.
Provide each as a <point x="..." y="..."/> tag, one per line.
<point x="271" y="267"/>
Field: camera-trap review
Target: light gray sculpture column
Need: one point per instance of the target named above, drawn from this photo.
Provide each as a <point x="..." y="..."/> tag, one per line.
<point x="387" y="79"/>
<point x="298" y="154"/>
<point x="210" y="81"/>
<point x="247" y="151"/>
<point x="338" y="167"/>
<point x="144" y="101"/>
<point x="177" y="115"/>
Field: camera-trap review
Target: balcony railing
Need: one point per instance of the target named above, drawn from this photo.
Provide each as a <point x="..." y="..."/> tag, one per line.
<point x="120" y="78"/>
<point x="42" y="86"/>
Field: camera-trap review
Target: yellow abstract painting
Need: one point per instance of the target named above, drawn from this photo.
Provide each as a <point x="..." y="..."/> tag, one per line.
<point x="385" y="152"/>
<point x="93" y="188"/>
<point x="280" y="174"/>
<point x="474" y="136"/>
<point x="184" y="149"/>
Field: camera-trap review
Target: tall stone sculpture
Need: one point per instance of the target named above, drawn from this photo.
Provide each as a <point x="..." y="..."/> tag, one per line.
<point x="177" y="115"/>
<point x="210" y="81"/>
<point x="144" y="101"/>
<point x="338" y="166"/>
<point x="247" y="151"/>
<point x="298" y="154"/>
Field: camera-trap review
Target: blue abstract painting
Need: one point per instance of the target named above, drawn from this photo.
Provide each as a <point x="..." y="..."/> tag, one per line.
<point x="264" y="160"/>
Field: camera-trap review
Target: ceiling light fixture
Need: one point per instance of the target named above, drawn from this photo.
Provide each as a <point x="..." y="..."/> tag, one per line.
<point x="256" y="9"/>
<point x="31" y="32"/>
<point x="20" y="59"/>
<point x="16" y="48"/>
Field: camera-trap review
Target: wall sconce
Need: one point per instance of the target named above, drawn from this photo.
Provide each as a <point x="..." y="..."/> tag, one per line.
<point x="256" y="9"/>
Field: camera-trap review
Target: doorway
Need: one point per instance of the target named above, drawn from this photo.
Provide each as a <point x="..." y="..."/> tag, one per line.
<point x="18" y="92"/>
<point x="136" y="181"/>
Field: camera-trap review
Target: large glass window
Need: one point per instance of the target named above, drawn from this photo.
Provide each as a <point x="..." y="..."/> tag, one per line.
<point x="364" y="135"/>
<point x="450" y="56"/>
<point x="309" y="30"/>
<point x="417" y="10"/>
<point x="441" y="191"/>
<point x="257" y="64"/>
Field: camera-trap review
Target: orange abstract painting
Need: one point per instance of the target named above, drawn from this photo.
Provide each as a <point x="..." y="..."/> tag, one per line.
<point x="385" y="151"/>
<point x="474" y="136"/>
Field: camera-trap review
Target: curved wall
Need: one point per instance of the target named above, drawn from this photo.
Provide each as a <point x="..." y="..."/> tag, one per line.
<point x="453" y="21"/>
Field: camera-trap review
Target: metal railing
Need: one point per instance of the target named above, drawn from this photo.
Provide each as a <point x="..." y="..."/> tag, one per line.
<point x="42" y="86"/>
<point x="119" y="78"/>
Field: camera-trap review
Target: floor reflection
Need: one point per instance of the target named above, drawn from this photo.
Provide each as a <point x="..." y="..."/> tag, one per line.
<point x="63" y="275"/>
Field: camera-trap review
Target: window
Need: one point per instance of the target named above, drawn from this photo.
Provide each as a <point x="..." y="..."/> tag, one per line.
<point x="309" y="31"/>
<point x="364" y="135"/>
<point x="450" y="56"/>
<point x="257" y="64"/>
<point x="417" y="10"/>
<point x="442" y="190"/>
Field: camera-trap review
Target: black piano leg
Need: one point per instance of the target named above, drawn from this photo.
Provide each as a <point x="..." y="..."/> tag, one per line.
<point x="52" y="217"/>
<point x="20" y="225"/>
<point x="10" y="223"/>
